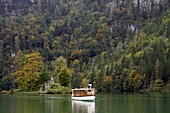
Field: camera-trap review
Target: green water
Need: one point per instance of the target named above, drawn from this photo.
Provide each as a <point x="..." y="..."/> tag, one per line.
<point x="104" y="103"/>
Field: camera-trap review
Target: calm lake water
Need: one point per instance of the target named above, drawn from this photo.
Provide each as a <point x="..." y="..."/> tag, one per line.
<point x="104" y="103"/>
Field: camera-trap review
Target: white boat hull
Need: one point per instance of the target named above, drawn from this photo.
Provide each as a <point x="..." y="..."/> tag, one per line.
<point x="84" y="98"/>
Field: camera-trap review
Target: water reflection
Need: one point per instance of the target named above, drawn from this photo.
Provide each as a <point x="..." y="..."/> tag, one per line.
<point x="106" y="103"/>
<point x="83" y="107"/>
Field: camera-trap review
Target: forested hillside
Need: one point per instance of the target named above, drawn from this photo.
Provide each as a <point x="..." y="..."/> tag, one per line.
<point x="117" y="45"/>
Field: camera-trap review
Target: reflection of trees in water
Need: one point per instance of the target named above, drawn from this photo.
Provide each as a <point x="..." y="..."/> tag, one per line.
<point x="56" y="105"/>
<point x="49" y="105"/>
<point x="83" y="107"/>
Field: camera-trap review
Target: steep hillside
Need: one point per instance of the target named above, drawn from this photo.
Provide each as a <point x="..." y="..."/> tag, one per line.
<point x="115" y="44"/>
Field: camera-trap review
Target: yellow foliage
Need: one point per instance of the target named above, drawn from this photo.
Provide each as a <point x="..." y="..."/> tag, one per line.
<point x="82" y="75"/>
<point x="70" y="71"/>
<point x="107" y="79"/>
<point x="31" y="18"/>
<point x="30" y="71"/>
<point x="94" y="42"/>
<point x="75" y="62"/>
<point x="139" y="54"/>
<point x="99" y="31"/>
<point x="77" y="52"/>
<point x="129" y="55"/>
<point x="84" y="82"/>
<point x="137" y="77"/>
<point x="132" y="73"/>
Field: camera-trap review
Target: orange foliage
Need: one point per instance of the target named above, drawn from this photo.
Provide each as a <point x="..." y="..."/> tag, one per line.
<point x="136" y="78"/>
<point x="76" y="52"/>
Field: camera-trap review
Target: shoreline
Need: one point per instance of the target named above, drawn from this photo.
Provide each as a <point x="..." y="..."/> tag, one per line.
<point x="51" y="92"/>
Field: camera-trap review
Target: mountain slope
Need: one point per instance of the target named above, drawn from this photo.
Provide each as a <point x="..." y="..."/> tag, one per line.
<point x="114" y="44"/>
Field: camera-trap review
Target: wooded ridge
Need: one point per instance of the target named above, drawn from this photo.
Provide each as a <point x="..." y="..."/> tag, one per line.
<point x="117" y="45"/>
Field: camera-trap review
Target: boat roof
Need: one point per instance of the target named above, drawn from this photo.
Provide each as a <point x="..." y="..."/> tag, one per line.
<point x="83" y="89"/>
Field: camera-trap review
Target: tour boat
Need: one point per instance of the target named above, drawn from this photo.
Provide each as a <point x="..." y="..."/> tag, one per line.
<point x="84" y="93"/>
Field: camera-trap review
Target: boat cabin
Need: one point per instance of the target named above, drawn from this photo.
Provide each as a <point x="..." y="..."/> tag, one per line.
<point x="83" y="92"/>
<point x="80" y="92"/>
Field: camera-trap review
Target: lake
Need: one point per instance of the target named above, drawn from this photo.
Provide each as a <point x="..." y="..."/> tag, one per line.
<point x="104" y="103"/>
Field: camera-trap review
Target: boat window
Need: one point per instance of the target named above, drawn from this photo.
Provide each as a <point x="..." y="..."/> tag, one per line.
<point x="92" y="91"/>
<point x="89" y="92"/>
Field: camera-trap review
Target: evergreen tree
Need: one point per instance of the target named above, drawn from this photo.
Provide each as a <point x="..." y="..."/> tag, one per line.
<point x="64" y="77"/>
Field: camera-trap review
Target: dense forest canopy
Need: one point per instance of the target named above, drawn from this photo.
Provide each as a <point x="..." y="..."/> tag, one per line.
<point x="118" y="45"/>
